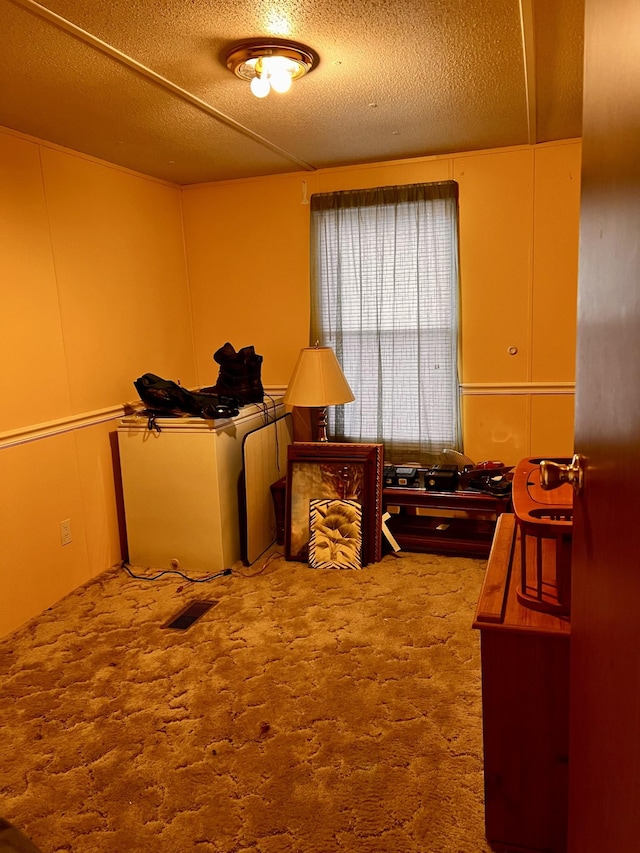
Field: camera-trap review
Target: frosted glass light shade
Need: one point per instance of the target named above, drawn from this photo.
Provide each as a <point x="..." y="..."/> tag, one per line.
<point x="277" y="61"/>
<point x="317" y="380"/>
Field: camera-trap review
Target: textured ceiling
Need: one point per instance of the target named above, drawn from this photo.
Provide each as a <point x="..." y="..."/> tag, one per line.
<point x="141" y="83"/>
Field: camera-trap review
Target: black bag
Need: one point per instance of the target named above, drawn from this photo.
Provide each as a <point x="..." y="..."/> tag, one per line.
<point x="162" y="396"/>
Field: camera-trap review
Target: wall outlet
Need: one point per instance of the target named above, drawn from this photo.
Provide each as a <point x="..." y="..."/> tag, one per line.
<point x="65" y="532"/>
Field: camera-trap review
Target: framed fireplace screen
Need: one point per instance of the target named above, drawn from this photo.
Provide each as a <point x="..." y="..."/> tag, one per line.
<point x="340" y="471"/>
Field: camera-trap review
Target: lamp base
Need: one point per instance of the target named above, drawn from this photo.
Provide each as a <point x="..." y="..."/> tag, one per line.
<point x="322" y="424"/>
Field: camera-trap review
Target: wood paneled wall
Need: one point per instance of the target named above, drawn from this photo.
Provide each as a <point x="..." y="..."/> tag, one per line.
<point x="94" y="293"/>
<point x="108" y="274"/>
<point x="248" y="254"/>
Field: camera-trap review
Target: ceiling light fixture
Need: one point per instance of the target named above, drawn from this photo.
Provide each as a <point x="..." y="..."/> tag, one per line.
<point x="270" y="64"/>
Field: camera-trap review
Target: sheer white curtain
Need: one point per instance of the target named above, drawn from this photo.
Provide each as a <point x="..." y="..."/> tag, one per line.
<point x="384" y="281"/>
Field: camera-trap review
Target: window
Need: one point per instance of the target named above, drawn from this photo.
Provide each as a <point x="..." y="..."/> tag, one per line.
<point x="384" y="279"/>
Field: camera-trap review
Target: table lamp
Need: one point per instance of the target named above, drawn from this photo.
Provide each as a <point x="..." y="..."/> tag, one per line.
<point x="317" y="381"/>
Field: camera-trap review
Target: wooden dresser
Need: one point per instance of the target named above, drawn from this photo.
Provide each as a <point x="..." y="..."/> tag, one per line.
<point x="525" y="696"/>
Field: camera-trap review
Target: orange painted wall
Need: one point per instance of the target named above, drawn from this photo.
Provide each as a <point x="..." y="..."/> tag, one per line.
<point x="519" y="265"/>
<point x="248" y="257"/>
<point x="109" y="274"/>
<point x="248" y="264"/>
<point x="94" y="293"/>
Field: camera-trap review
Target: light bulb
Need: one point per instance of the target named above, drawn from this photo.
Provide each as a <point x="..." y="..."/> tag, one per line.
<point x="280" y="80"/>
<point x="260" y="87"/>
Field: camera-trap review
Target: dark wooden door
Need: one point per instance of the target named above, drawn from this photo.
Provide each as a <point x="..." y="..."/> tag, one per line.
<point x="604" y="789"/>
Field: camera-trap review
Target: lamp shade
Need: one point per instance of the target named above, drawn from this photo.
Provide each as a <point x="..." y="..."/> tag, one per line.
<point x="317" y="380"/>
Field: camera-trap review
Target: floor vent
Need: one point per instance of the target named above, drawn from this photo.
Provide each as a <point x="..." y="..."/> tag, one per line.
<point x="189" y="614"/>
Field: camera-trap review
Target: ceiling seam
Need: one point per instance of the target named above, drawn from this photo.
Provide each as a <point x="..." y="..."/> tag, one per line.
<point x="89" y="39"/>
<point x="528" y="56"/>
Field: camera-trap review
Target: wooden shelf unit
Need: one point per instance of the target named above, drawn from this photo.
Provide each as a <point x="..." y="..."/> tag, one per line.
<point x="460" y="522"/>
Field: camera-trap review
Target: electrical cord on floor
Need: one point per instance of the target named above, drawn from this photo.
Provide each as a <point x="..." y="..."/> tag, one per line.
<point x="127" y="569"/>
<point x="273" y="556"/>
<point x="269" y="560"/>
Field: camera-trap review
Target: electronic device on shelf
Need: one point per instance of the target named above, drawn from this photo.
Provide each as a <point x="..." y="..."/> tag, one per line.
<point x="400" y="475"/>
<point x="441" y="478"/>
<point x="492" y="477"/>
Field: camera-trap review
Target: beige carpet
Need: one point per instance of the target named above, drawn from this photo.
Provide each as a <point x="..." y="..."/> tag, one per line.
<point x="308" y="712"/>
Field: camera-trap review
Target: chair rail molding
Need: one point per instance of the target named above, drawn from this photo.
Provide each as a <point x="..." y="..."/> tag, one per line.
<point x="49" y="429"/>
<point x="509" y="388"/>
